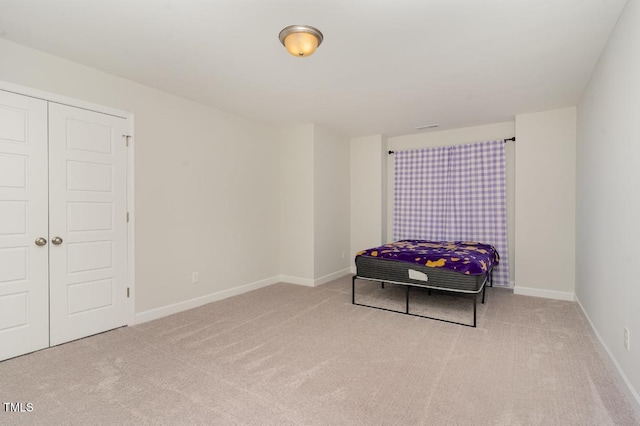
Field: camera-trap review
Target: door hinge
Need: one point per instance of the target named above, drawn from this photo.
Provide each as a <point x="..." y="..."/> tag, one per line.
<point x="127" y="217"/>
<point x="127" y="291"/>
<point x="126" y="139"/>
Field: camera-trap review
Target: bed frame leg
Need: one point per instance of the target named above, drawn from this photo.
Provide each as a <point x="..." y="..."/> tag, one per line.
<point x="475" y="303"/>
<point x="353" y="290"/>
<point x="408" y="288"/>
<point x="484" y="290"/>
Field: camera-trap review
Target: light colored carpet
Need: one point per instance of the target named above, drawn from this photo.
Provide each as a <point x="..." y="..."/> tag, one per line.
<point x="292" y="355"/>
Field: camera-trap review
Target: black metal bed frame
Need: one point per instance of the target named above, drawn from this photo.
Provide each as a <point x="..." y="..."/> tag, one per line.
<point x="473" y="294"/>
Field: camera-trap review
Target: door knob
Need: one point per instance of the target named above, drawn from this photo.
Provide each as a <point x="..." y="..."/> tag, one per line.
<point x="41" y="241"/>
<point x="56" y="240"/>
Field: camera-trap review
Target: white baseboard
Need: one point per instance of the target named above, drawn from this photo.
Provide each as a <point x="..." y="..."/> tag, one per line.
<point x="633" y="393"/>
<point x="330" y="277"/>
<point x="202" y="300"/>
<point x="547" y="294"/>
<point x="174" y="308"/>
<point x="308" y="282"/>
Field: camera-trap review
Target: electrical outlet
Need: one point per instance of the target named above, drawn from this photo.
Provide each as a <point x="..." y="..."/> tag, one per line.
<point x="195" y="277"/>
<point x="626" y="338"/>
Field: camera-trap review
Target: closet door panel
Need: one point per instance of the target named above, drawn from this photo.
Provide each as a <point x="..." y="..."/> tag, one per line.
<point x="88" y="213"/>
<point x="24" y="292"/>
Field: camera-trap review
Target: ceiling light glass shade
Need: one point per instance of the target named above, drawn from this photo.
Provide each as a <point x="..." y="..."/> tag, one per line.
<point x="300" y="40"/>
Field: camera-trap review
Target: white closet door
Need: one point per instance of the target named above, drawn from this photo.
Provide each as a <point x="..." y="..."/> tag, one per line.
<point x="24" y="287"/>
<point x="87" y="212"/>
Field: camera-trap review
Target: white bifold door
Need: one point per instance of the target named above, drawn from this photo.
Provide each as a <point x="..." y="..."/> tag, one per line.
<point x="63" y="223"/>
<point x="24" y="273"/>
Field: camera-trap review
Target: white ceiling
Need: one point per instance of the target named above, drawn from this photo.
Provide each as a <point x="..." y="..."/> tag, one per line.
<point x="385" y="66"/>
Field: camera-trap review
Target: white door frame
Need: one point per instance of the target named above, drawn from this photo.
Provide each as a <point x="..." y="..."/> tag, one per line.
<point x="52" y="97"/>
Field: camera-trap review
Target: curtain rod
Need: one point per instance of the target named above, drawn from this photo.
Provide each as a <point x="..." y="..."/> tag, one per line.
<point x="513" y="139"/>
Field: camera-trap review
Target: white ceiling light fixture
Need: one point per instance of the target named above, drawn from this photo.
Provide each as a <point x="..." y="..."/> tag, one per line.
<point x="301" y="40"/>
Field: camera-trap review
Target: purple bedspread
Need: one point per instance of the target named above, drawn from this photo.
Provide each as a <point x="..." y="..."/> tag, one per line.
<point x="469" y="258"/>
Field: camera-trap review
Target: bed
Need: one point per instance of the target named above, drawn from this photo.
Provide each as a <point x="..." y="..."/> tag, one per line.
<point x="461" y="267"/>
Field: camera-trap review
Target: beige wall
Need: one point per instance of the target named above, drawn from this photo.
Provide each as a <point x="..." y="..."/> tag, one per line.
<point x="545" y="203"/>
<point x="207" y="189"/>
<point x="367" y="202"/>
<point x="314" y="213"/>
<point x="608" y="197"/>
<point x="331" y="191"/>
<point x="458" y="137"/>
<point x="296" y="214"/>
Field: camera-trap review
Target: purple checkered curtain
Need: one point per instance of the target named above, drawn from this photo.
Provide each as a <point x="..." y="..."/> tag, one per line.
<point x="454" y="193"/>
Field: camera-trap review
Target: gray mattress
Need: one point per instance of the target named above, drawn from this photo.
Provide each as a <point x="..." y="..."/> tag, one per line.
<point x="394" y="271"/>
